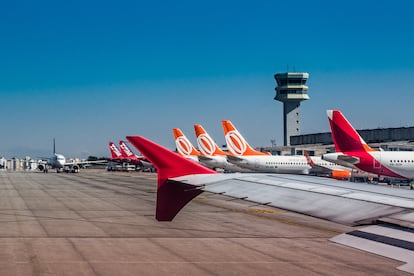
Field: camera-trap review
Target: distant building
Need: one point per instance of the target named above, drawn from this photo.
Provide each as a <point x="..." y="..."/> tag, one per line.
<point x="392" y="139"/>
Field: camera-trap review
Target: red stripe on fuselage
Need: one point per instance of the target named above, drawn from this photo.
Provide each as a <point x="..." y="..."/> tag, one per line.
<point x="367" y="162"/>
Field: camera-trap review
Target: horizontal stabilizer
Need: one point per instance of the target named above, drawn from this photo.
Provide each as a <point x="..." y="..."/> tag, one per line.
<point x="231" y="158"/>
<point x="204" y="158"/>
<point x="348" y="159"/>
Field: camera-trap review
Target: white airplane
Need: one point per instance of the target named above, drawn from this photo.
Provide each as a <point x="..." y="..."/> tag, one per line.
<point x="212" y="155"/>
<point x="58" y="162"/>
<point x="353" y="151"/>
<point x="247" y="157"/>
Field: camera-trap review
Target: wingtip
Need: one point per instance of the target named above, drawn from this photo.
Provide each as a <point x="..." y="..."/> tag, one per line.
<point x="172" y="196"/>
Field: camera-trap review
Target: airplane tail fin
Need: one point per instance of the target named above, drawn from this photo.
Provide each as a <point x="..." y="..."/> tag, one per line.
<point x="236" y="143"/>
<point x="115" y="153"/>
<point x="205" y="143"/>
<point x="308" y="159"/>
<point x="345" y="137"/>
<point x="172" y="196"/>
<point x="54" y="146"/>
<point x="126" y="151"/>
<point x="184" y="146"/>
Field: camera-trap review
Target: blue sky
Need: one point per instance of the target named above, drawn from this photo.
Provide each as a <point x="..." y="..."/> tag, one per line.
<point x="89" y="72"/>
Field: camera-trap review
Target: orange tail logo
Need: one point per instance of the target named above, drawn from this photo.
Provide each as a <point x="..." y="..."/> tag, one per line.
<point x="184" y="146"/>
<point x="235" y="141"/>
<point x="205" y="143"/>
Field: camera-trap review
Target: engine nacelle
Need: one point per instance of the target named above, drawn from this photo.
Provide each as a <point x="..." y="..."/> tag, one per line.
<point x="72" y="168"/>
<point x="341" y="174"/>
<point x="41" y="167"/>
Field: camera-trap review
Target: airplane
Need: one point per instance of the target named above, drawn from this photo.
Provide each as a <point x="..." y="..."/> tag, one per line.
<point x="124" y="155"/>
<point x="384" y="212"/>
<point x="352" y="150"/>
<point x="263" y="162"/>
<point x="132" y="158"/>
<point x="237" y="145"/>
<point x="320" y="168"/>
<point x="212" y="155"/>
<point x="184" y="147"/>
<point x="243" y="155"/>
<point x="116" y="155"/>
<point x="58" y="162"/>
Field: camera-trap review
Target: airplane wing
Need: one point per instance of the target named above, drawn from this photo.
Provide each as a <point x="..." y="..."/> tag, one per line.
<point x="338" y="201"/>
<point x="180" y="180"/>
<point x="85" y="162"/>
<point x="74" y="166"/>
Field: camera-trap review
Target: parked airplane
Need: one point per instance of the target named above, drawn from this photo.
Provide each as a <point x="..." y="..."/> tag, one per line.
<point x="212" y="155"/>
<point x="236" y="144"/>
<point x="124" y="155"/>
<point x="326" y="168"/>
<point x="246" y="157"/>
<point x="58" y="162"/>
<point x="352" y="150"/>
<point x="263" y="162"/>
<point x="116" y="155"/>
<point x="184" y="147"/>
<point x="131" y="157"/>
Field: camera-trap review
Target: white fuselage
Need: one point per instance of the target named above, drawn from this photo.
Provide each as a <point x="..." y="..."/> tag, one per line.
<point x="401" y="163"/>
<point x="220" y="161"/>
<point x="296" y="164"/>
<point x="273" y="163"/>
<point x="386" y="163"/>
<point x="57" y="161"/>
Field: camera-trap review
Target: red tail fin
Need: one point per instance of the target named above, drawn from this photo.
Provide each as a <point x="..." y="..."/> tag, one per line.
<point x="172" y="196"/>
<point x="126" y="151"/>
<point x="115" y="153"/>
<point x="345" y="137"/>
<point x="309" y="159"/>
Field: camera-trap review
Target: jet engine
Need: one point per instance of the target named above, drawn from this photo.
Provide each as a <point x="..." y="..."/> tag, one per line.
<point x="41" y="167"/>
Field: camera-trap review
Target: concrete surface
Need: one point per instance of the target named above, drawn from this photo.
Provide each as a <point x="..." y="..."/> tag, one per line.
<point x="101" y="223"/>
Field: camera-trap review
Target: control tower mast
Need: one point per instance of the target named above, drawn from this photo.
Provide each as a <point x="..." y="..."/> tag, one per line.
<point x="291" y="90"/>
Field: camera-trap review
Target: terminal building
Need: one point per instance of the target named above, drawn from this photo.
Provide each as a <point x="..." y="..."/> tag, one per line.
<point x="390" y="139"/>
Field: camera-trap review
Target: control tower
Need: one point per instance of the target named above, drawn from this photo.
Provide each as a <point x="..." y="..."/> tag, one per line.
<point x="291" y="90"/>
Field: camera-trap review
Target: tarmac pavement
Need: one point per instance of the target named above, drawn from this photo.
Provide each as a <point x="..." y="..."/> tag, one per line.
<point x="102" y="223"/>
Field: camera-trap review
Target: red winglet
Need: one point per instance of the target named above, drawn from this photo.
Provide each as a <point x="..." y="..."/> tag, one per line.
<point x="172" y="196"/>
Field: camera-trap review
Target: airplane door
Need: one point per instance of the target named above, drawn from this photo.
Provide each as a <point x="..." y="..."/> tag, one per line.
<point x="256" y="163"/>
